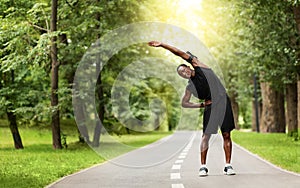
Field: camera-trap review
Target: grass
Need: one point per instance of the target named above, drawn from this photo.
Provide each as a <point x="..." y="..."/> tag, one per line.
<point x="39" y="165"/>
<point x="276" y="148"/>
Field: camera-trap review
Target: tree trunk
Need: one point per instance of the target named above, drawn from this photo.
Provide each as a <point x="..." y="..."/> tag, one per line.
<point x="296" y="11"/>
<point x="81" y="122"/>
<point x="11" y="115"/>
<point x="291" y="111"/>
<point x="13" y="121"/>
<point x="156" y="122"/>
<point x="14" y="130"/>
<point x="98" y="128"/>
<point x="256" y="106"/>
<point x="235" y="109"/>
<point x="56" y="137"/>
<point x="273" y="117"/>
<point x="298" y="102"/>
<point x="255" y="114"/>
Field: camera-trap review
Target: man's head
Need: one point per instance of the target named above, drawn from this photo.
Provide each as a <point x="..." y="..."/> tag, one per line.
<point x="184" y="71"/>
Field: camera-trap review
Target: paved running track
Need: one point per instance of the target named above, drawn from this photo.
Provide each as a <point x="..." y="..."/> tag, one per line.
<point x="173" y="162"/>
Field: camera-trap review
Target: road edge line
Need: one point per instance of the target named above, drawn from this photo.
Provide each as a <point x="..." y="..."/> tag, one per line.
<point x="265" y="161"/>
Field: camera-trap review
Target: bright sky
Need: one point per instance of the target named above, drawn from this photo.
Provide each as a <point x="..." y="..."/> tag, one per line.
<point x="189" y="3"/>
<point x="187" y="15"/>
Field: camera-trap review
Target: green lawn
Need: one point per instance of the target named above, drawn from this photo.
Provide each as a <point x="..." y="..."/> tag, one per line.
<point x="276" y="148"/>
<point x="38" y="164"/>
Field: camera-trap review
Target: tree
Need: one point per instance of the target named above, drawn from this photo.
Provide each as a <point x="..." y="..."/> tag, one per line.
<point x="272" y="119"/>
<point x="12" y="115"/>
<point x="293" y="126"/>
<point x="55" y="123"/>
<point x="14" y="43"/>
<point x="262" y="31"/>
<point x="298" y="105"/>
<point x="273" y="54"/>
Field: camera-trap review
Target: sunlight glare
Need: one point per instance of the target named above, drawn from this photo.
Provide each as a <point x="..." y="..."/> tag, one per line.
<point x="187" y="4"/>
<point x="189" y="10"/>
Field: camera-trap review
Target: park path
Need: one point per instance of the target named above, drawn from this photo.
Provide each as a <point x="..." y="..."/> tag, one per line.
<point x="173" y="162"/>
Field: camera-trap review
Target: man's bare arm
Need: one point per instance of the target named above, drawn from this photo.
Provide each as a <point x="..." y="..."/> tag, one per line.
<point x="185" y="102"/>
<point x="195" y="62"/>
<point x="172" y="49"/>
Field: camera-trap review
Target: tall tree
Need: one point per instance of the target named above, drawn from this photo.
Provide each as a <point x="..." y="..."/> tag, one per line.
<point x="18" y="85"/>
<point x="273" y="118"/>
<point x="298" y="103"/>
<point x="262" y="31"/>
<point x="294" y="127"/>
<point x="55" y="123"/>
<point x="99" y="85"/>
<point x="11" y="115"/>
<point x="291" y="100"/>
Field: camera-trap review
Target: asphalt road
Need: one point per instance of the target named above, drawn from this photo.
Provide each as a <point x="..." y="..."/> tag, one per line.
<point x="173" y="162"/>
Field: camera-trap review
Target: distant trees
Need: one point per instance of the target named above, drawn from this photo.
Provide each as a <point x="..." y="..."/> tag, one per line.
<point x="261" y="38"/>
<point x="38" y="38"/>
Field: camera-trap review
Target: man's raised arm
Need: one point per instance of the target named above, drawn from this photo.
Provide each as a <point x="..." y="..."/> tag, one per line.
<point x="172" y="49"/>
<point x="193" y="60"/>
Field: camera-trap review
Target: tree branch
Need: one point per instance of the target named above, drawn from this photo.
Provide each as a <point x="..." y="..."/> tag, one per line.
<point x="38" y="27"/>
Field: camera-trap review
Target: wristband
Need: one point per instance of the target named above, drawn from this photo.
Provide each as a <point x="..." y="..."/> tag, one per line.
<point x="190" y="59"/>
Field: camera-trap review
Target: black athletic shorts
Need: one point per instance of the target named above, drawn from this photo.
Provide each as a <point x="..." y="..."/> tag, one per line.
<point x="224" y="120"/>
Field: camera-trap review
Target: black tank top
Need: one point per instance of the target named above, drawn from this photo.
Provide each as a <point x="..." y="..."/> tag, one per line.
<point x="205" y="85"/>
<point x="198" y="85"/>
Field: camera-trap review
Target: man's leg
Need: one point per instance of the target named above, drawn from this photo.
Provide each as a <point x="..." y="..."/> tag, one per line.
<point x="204" y="148"/>
<point x="203" y="153"/>
<point x="227" y="146"/>
<point x="228" y="170"/>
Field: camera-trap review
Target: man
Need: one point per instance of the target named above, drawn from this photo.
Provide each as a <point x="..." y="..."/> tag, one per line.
<point x="205" y="85"/>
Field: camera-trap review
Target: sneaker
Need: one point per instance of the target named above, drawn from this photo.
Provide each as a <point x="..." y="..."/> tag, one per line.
<point x="228" y="170"/>
<point x="203" y="171"/>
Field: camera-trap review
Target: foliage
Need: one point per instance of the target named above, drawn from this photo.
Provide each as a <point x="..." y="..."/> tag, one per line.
<point x="22" y="73"/>
<point x="25" y="41"/>
<point x="246" y="37"/>
<point x="142" y="94"/>
<point x="252" y="38"/>
<point x="273" y="32"/>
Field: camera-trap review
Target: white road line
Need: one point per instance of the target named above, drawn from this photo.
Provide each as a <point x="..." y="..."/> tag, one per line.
<point x="177" y="186"/>
<point x="178" y="161"/>
<point x="176" y="167"/>
<point x="175" y="176"/>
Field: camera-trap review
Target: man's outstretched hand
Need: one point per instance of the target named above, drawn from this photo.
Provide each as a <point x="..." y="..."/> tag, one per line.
<point x="154" y="43"/>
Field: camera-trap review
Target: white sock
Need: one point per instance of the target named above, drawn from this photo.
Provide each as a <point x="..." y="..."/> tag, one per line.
<point x="227" y="164"/>
<point x="203" y="165"/>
